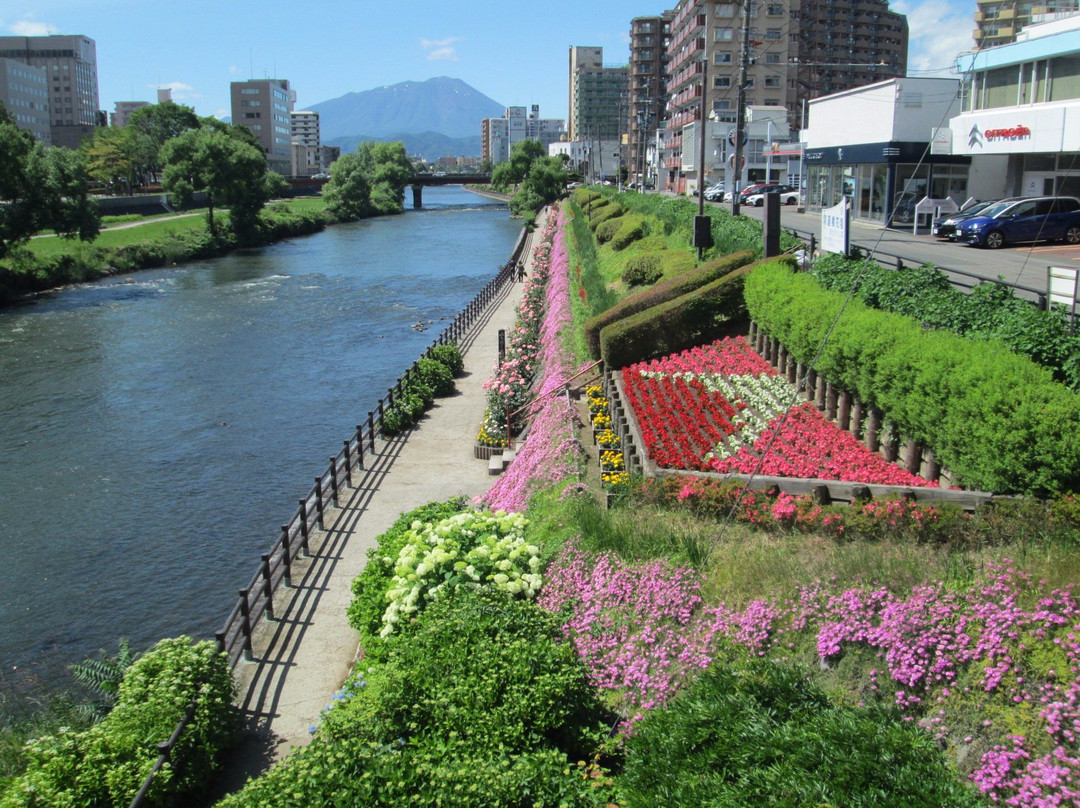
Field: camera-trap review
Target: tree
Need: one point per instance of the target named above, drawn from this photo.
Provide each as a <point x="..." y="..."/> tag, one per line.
<point x="348" y="191"/>
<point x="114" y="157"/>
<point x="155" y="125"/>
<point x="516" y="169"/>
<point x="393" y="172"/>
<point x="224" y="166"/>
<point x="41" y="188"/>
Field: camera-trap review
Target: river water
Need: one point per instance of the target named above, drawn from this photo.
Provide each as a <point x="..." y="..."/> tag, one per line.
<point x="156" y="430"/>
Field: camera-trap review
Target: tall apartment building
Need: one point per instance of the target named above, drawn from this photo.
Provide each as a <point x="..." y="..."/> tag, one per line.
<point x="797" y="50"/>
<point x="122" y="113"/>
<point x="264" y="106"/>
<point x="71" y="65"/>
<point x="24" y="92"/>
<point x="997" y="22"/>
<point x="648" y="78"/>
<point x="498" y="135"/>
<point x="306" y="154"/>
<point x="598" y="99"/>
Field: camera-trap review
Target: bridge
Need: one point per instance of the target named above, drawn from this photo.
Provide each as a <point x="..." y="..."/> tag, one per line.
<point x="441" y="178"/>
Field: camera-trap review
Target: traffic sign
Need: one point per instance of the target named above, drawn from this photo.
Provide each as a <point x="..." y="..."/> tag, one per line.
<point x="733" y="132"/>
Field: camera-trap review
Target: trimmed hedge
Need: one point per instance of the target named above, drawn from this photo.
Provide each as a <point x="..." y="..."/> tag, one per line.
<point x="643" y="270"/>
<point x="661" y="292"/>
<point x="692" y="319"/>
<point x="675" y="262"/>
<point x="606" y="230"/>
<point x="631" y="228"/>
<point x="598" y="214"/>
<point x="996" y="420"/>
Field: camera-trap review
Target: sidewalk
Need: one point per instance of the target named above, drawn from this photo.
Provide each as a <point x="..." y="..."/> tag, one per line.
<point x="303" y="656"/>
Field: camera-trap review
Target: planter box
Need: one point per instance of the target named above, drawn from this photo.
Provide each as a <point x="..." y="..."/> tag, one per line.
<point x="486" y="452"/>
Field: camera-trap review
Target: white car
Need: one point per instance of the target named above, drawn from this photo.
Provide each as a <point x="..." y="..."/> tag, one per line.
<point x="786" y="198"/>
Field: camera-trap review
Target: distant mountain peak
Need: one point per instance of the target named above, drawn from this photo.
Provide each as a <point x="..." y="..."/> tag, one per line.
<point x="443" y="104"/>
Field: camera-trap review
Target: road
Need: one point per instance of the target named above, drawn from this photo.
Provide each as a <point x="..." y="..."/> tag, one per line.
<point x="1024" y="264"/>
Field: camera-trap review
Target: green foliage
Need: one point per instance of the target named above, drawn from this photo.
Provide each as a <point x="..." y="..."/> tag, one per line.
<point x="990" y="312"/>
<point x="449" y="355"/>
<point x="102" y="675"/>
<point x="583" y="196"/>
<point x="393" y="171"/>
<point x="631" y="228"/>
<point x="605" y="231"/>
<point x="434" y="374"/>
<point x="348" y="191"/>
<point x="694" y="318"/>
<point x="668" y="289"/>
<point x="415" y="397"/>
<point x="675" y="262"/>
<point x="758" y="733"/>
<point x="643" y="270"/>
<point x="599" y="213"/>
<point x="997" y="421"/>
<point x="106" y="764"/>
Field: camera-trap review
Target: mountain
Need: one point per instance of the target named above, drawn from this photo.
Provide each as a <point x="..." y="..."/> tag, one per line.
<point x="443" y="105"/>
<point x="430" y="145"/>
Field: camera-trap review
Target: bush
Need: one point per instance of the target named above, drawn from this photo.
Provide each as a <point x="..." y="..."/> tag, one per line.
<point x="107" y="764"/>
<point x="697" y="317"/>
<point x="435" y="375"/>
<point x="652" y="244"/>
<point x="450" y="355"/>
<point x="758" y="733"/>
<point x="642" y="270"/>
<point x="675" y="262"/>
<point x="631" y="228"/>
<point x="996" y="420"/>
<point x="598" y="214"/>
<point x="606" y="230"/>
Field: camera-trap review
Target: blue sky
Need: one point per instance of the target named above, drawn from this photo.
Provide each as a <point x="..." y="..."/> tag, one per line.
<point x="517" y="54"/>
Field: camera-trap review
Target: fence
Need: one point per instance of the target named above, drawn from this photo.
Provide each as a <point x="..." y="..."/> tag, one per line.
<point x="256" y="600"/>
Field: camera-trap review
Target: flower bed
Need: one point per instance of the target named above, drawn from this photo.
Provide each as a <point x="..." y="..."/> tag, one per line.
<point x="722" y="408"/>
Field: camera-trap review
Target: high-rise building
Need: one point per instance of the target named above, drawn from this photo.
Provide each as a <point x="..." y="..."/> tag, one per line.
<point x="997" y="22"/>
<point x="122" y="114"/>
<point x="648" y="80"/>
<point x="264" y="106"/>
<point x="71" y="65"/>
<point x="24" y="92"/>
<point x="498" y="135"/>
<point x="598" y="100"/>
<point x="307" y="157"/>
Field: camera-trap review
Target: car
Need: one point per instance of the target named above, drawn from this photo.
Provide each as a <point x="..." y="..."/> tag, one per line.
<point x="752" y="188"/>
<point x="788" y="195"/>
<point x="945" y="226"/>
<point x="1037" y="218"/>
<point x="715" y="193"/>
<point x="320" y="176"/>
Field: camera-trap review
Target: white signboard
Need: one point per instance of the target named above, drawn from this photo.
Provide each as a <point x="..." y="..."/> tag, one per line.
<point x="834" y="229"/>
<point x="1061" y="283"/>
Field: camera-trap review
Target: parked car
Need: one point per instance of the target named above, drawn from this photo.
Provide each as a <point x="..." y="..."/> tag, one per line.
<point x="752" y="188"/>
<point x="1039" y="218"/>
<point x="715" y="193"/>
<point x="788" y="195"/>
<point x="945" y="226"/>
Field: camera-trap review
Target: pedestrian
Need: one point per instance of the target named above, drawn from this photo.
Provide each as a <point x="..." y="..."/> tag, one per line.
<point x="521" y="271"/>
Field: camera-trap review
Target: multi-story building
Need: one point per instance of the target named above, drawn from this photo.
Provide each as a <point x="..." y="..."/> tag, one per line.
<point x="264" y="107"/>
<point x="71" y="65"/>
<point x="598" y="102"/>
<point x="24" y="92"/>
<point x="122" y="113"/>
<point x="307" y="157"/>
<point x="648" y="80"/>
<point x="998" y="22"/>
<point x="498" y="135"/>
<point x="1021" y="113"/>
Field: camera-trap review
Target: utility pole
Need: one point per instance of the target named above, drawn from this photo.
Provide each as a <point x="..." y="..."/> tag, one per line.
<point x="703" y="225"/>
<point x="740" y="120"/>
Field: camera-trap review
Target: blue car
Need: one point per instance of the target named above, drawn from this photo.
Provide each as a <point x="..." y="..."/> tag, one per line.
<point x="1039" y="218"/>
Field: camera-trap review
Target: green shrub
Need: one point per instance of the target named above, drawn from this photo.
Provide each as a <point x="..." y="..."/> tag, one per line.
<point x="598" y="214"/>
<point x="606" y="230"/>
<point x="450" y="355"/>
<point x="652" y="244"/>
<point x="758" y="733"/>
<point x="697" y="317"/>
<point x="676" y="262"/>
<point x="631" y="228"/>
<point x="434" y="374"/>
<point x="642" y="270"/>
<point x="583" y="196"/>
<point x="665" y="290"/>
<point x="106" y="764"/>
<point x="996" y="420"/>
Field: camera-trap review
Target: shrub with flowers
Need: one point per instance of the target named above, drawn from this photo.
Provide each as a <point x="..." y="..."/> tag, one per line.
<point x="471" y="549"/>
<point x="722" y="408"/>
<point x="492" y="432"/>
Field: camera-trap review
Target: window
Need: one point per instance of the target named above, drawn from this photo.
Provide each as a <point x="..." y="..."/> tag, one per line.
<point x="248" y="91"/>
<point x="724" y="34"/>
<point x="721" y="58"/>
<point x="772" y="81"/>
<point x="772" y="58"/>
<point x="251" y="103"/>
<point x="772" y="34"/>
<point x="720" y="82"/>
<point x="774" y="10"/>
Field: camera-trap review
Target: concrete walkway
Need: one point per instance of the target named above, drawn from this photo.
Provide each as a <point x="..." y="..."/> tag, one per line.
<point x="303" y="656"/>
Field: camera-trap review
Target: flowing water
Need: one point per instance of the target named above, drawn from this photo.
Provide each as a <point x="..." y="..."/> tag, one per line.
<point x="157" y="429"/>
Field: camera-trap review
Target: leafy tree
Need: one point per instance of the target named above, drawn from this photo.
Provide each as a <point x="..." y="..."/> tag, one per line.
<point x="348" y="191"/>
<point x="516" y="169"/>
<point x="222" y="164"/>
<point x="540" y="179"/>
<point x="41" y="188"/>
<point x="116" y="157"/>
<point x="155" y="125"/>
<point x="393" y="172"/>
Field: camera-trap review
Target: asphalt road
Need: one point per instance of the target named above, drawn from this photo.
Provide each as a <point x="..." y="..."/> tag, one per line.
<point x="1021" y="264"/>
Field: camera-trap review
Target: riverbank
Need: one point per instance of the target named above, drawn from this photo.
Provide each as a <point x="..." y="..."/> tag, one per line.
<point x="303" y="656"/>
<point x="486" y="191"/>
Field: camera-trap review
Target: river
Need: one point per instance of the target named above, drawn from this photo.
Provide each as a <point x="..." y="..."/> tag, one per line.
<point x="157" y="429"/>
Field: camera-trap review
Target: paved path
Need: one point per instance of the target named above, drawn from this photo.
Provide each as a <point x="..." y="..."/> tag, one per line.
<point x="303" y="656"/>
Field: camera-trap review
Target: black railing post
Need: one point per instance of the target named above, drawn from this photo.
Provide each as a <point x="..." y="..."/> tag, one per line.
<point x="245" y="624"/>
<point x="348" y="465"/>
<point x="304" y="528"/>
<point x="268" y="586"/>
<point x="334" y="482"/>
<point x="286" y="554"/>
<point x="371" y="427"/>
<point x="319" y="502"/>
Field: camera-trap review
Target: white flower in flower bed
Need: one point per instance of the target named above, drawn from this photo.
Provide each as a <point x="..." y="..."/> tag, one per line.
<point x="475" y="548"/>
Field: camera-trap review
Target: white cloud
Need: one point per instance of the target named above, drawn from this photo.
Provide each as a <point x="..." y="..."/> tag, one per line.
<point x="29" y="27"/>
<point x="938" y="32"/>
<point x="441" y="50"/>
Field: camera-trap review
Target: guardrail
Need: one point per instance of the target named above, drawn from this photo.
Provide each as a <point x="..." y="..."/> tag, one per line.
<point x="256" y="600"/>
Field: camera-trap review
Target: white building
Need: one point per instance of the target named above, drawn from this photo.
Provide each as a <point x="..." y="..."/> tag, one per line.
<point x="1020" y="122"/>
<point x="498" y="135"/>
<point x="872" y="146"/>
<point x="306" y="153"/>
<point x="598" y="161"/>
